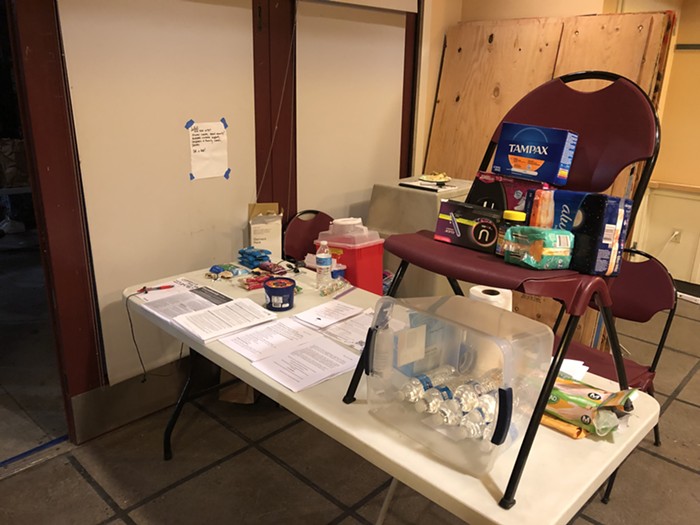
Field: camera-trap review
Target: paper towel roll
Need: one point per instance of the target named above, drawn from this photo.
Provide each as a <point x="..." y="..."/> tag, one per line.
<point x="495" y="296"/>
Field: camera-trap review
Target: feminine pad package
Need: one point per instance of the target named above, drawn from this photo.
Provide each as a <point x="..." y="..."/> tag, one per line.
<point x="538" y="248"/>
<point x="598" y="221"/>
<point x="535" y="153"/>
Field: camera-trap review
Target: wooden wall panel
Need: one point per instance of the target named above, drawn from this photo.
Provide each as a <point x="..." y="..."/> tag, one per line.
<point x="488" y="66"/>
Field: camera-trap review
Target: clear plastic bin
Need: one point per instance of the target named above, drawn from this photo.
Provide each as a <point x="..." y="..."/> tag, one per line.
<point x="417" y="336"/>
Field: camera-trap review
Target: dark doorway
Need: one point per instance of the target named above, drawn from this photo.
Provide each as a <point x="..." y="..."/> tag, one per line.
<point x="32" y="414"/>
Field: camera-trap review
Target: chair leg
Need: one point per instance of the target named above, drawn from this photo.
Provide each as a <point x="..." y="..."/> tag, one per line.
<point x="614" y="346"/>
<point x="508" y="499"/>
<point x="456" y="288"/>
<point x="609" y="487"/>
<point x="657" y="436"/>
<point x="398" y="277"/>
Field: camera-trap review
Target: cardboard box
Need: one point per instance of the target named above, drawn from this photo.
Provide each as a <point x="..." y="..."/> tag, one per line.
<point x="499" y="192"/>
<point x="265" y="228"/>
<point x="468" y="225"/>
<point x="598" y="221"/>
<point x="535" y="153"/>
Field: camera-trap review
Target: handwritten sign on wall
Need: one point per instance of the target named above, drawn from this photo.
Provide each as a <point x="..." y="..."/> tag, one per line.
<point x="208" y="149"/>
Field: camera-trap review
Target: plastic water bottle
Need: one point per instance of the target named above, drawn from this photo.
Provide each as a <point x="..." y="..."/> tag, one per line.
<point x="323" y="265"/>
<point x="415" y="387"/>
<point x="433" y="398"/>
<point x="479" y="422"/>
<point x="466" y="396"/>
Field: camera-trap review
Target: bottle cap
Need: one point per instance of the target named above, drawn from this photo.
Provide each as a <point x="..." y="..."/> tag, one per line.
<point x="325" y="243"/>
<point x="512" y="215"/>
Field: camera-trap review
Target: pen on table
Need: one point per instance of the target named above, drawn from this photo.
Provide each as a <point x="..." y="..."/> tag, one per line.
<point x="147" y="289"/>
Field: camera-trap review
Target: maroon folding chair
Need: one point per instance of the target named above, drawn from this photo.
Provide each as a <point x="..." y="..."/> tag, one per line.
<point x="640" y="291"/>
<point x="617" y="126"/>
<point x="301" y="232"/>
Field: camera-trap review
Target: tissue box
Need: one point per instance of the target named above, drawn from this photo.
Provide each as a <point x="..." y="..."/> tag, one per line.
<point x="499" y="192"/>
<point x="598" y="221"/>
<point x="535" y="153"/>
<point x="468" y="225"/>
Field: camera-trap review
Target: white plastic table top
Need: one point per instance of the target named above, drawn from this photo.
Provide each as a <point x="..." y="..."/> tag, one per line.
<point x="561" y="474"/>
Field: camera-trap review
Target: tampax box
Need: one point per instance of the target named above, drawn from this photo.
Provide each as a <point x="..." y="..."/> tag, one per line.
<point x="468" y="225"/>
<point x="535" y="153"/>
<point x="598" y="221"/>
<point x="499" y="192"/>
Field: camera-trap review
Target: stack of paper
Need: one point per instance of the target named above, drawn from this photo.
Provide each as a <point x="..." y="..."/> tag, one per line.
<point x="295" y="352"/>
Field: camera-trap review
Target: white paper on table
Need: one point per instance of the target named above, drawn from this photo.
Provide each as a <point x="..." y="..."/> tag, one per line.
<point x="263" y="341"/>
<point x="208" y="150"/>
<point x="326" y="314"/>
<point x="576" y="369"/>
<point x="224" y="319"/>
<point x="183" y="301"/>
<point x="352" y="332"/>
<point x="308" y="365"/>
<point x="178" y="286"/>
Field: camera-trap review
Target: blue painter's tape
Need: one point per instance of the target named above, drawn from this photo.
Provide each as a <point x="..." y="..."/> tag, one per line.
<point x="227" y="174"/>
<point x="189" y="124"/>
<point x="34" y="450"/>
<point x="191" y="177"/>
<point x="223" y="121"/>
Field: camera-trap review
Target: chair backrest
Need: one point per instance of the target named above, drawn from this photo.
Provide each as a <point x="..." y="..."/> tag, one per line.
<point x="641" y="290"/>
<point x="301" y="232"/>
<point x="617" y="126"/>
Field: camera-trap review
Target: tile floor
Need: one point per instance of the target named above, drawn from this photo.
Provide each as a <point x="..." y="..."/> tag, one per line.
<point x="259" y="464"/>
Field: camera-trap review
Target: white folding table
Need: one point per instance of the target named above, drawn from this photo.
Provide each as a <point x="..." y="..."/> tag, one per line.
<point x="561" y="473"/>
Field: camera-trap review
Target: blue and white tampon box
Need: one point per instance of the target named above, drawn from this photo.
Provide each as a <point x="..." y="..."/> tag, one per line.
<point x="535" y="153"/>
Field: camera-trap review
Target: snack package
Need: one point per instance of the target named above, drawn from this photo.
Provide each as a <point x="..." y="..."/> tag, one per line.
<point x="539" y="248"/>
<point x="587" y="407"/>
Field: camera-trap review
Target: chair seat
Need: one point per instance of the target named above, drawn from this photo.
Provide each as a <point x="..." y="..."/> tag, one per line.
<point x="455" y="262"/>
<point x="601" y="363"/>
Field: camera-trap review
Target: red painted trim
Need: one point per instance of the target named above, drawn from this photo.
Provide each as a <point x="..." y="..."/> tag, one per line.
<point x="58" y="197"/>
<point x="410" y="66"/>
<point x="275" y="81"/>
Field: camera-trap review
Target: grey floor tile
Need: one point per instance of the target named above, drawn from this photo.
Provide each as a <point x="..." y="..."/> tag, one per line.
<point x="688" y="309"/>
<point x="408" y="507"/>
<point x="682" y="336"/>
<point x="247" y="489"/>
<point x="350" y="521"/>
<point x="327" y="463"/>
<point x="53" y="492"/>
<point x="691" y="391"/>
<point x="651" y="491"/>
<point x="253" y="421"/>
<point x="128" y="463"/>
<point x="673" y="366"/>
<point x="680" y="435"/>
<point x="19" y="433"/>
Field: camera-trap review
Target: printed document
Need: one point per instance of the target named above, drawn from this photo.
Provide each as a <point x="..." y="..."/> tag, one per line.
<point x="169" y="304"/>
<point x="313" y="362"/>
<point x="263" y="341"/>
<point x="224" y="319"/>
<point x="352" y="332"/>
<point x="328" y="313"/>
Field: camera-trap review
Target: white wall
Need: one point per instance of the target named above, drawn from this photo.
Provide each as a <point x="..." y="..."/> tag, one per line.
<point x="349" y="95"/>
<point x="138" y="71"/>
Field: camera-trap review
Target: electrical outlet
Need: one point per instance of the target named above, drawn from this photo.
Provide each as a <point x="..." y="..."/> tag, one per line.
<point x="676" y="237"/>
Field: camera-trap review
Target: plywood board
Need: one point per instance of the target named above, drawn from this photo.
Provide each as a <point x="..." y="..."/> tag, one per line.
<point x="488" y="67"/>
<point x="616" y="43"/>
